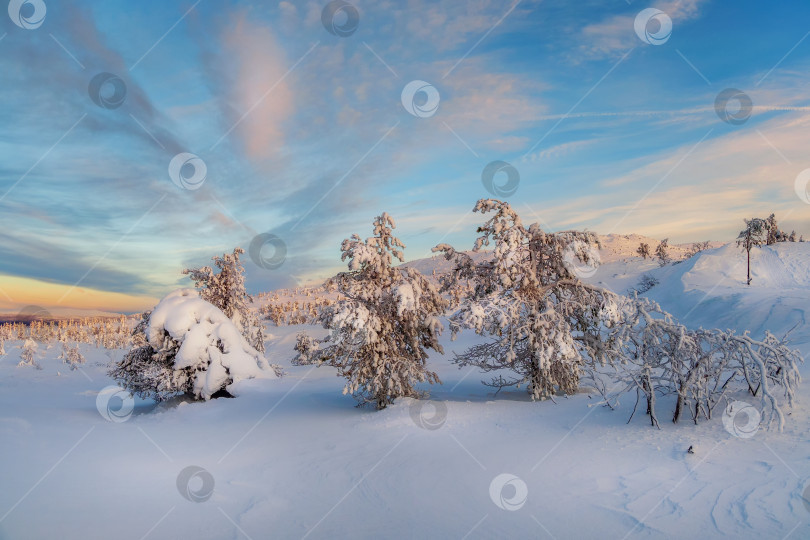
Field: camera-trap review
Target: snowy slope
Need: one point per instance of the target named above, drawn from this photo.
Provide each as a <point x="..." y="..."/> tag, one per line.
<point x="710" y="291"/>
<point x="292" y="457"/>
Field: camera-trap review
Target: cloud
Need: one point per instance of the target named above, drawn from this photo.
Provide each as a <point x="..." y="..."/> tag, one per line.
<point x="488" y="106"/>
<point x="259" y="98"/>
<point x="559" y="150"/>
<point x="449" y="26"/>
<point x="705" y="193"/>
<point x="34" y="256"/>
<point x="614" y="36"/>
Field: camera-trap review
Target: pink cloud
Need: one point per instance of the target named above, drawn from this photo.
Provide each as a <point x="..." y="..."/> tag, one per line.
<point x="260" y="100"/>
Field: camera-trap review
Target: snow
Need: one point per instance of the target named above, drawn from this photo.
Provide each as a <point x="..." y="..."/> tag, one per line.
<point x="209" y="342"/>
<point x="293" y="457"/>
<point x="406" y="298"/>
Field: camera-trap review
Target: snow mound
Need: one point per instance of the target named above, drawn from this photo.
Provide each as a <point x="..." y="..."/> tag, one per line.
<point x="779" y="266"/>
<point x="709" y="289"/>
<point x="211" y="347"/>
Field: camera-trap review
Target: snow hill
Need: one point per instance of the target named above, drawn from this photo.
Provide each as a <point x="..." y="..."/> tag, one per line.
<point x="623" y="246"/>
<point x="709" y="290"/>
<point x="293" y="457"/>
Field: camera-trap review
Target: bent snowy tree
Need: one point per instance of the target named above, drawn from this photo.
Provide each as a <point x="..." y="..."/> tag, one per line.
<point x="188" y="346"/>
<point x="543" y="320"/>
<point x="653" y="355"/>
<point x="380" y="331"/>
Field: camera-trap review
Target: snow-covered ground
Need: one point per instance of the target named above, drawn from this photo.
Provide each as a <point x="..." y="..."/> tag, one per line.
<point x="292" y="457"/>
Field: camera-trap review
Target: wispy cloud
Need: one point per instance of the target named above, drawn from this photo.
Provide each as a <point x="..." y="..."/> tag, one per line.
<point x="614" y="35"/>
<point x="285" y="115"/>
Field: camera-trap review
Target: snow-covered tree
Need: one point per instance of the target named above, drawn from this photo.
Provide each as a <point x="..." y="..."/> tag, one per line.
<point x="71" y="355"/>
<point x="774" y="234"/>
<point x="28" y="355"/>
<point x="754" y="235"/>
<point x="792" y="237"/>
<point x="643" y="250"/>
<point x="653" y="355"/>
<point x="543" y="320"/>
<point x="384" y="324"/>
<point x="226" y="290"/>
<point x="187" y="345"/>
<point x="662" y="252"/>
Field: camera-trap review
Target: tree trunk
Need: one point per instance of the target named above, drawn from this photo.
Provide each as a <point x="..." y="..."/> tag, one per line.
<point x="749" y="266"/>
<point x="651" y="399"/>
<point x="678" y="406"/>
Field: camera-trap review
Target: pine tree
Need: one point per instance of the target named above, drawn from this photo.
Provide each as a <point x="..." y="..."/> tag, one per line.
<point x="755" y="234"/>
<point x="382" y="327"/>
<point x="662" y="252"/>
<point x="226" y="290"/>
<point x="643" y="250"/>
<point x="544" y="321"/>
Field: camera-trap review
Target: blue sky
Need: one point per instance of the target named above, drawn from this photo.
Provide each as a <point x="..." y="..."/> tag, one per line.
<point x="304" y="134"/>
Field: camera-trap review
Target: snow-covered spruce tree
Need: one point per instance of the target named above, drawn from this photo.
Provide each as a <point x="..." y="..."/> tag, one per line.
<point x="754" y="235"/>
<point x="383" y="325"/>
<point x="652" y="355"/>
<point x="28" y="354"/>
<point x="662" y="252"/>
<point x="226" y="290"/>
<point x="188" y="346"/>
<point x="543" y="320"/>
<point x="643" y="250"/>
